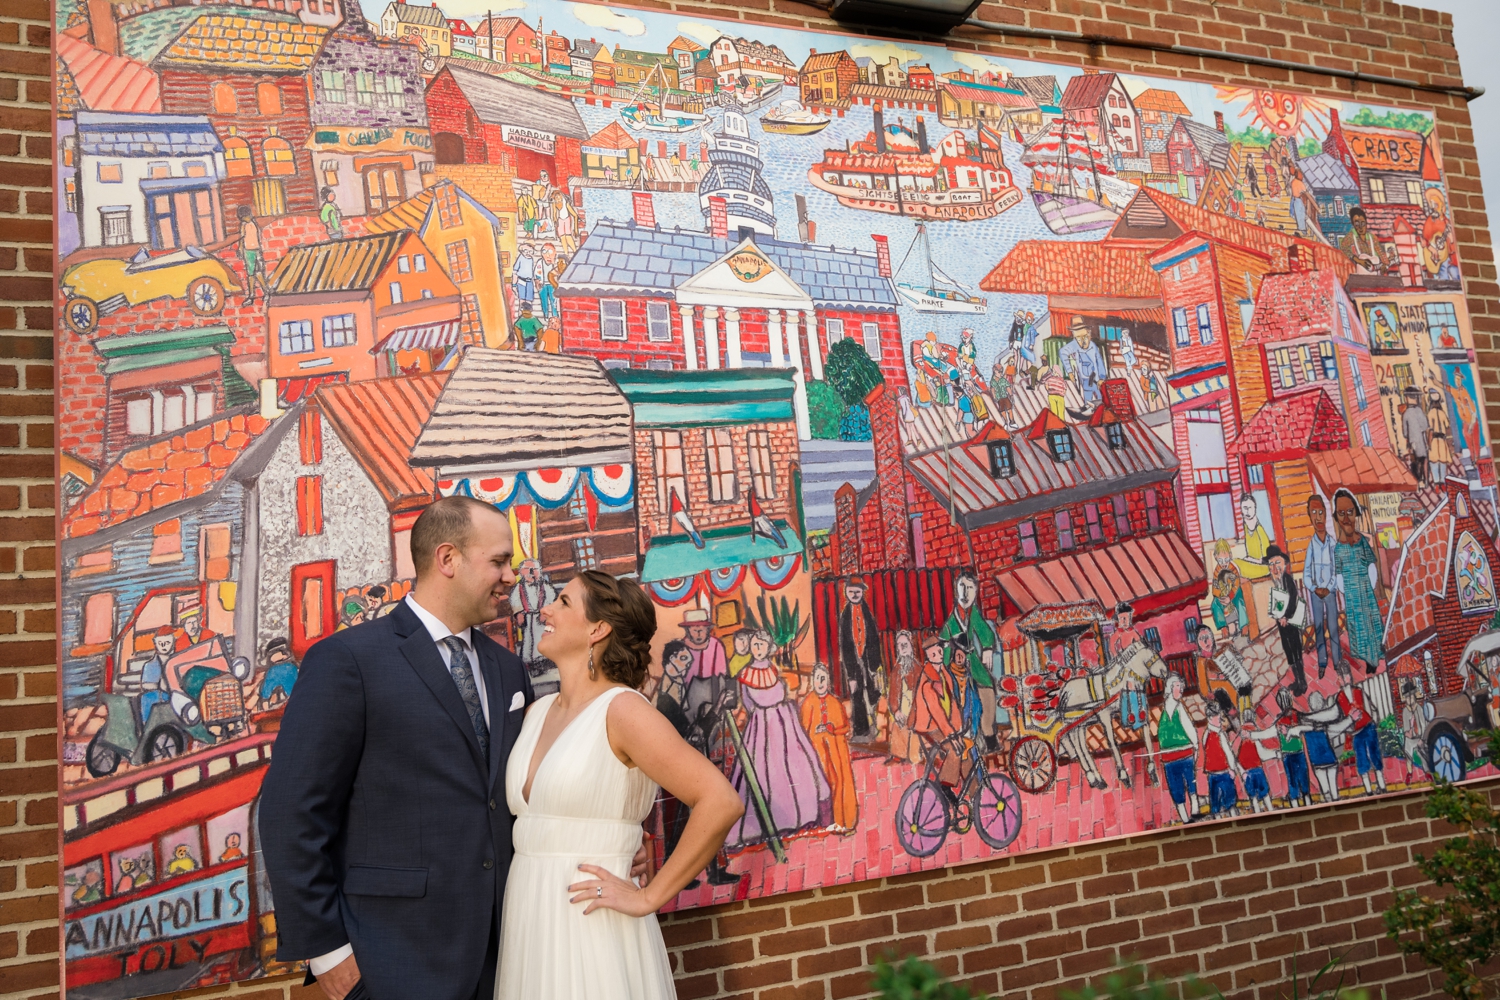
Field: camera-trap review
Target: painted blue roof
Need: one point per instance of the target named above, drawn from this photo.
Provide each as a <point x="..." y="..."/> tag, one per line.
<point x="625" y="257"/>
<point x="109" y="134"/>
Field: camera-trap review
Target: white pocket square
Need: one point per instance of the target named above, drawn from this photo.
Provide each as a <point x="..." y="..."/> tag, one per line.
<point x="518" y="700"/>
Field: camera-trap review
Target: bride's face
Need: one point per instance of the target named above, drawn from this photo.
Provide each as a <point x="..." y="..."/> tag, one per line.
<point x="566" y="629"/>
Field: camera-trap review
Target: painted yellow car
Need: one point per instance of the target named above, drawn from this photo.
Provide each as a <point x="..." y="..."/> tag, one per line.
<point x="99" y="287"/>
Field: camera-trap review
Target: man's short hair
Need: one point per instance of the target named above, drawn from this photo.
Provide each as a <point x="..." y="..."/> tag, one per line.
<point x="447" y="519"/>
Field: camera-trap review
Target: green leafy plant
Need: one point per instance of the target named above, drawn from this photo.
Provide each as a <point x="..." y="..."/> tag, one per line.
<point x="1317" y="988"/>
<point x="851" y="372"/>
<point x="1133" y="981"/>
<point x="915" y="979"/>
<point x="1460" y="931"/>
<point x="784" y="621"/>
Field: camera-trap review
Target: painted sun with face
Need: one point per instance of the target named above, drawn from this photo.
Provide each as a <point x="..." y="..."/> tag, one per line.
<point x="1281" y="114"/>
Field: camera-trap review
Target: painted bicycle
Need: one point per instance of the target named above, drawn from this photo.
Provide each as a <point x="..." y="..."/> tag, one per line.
<point x="986" y="801"/>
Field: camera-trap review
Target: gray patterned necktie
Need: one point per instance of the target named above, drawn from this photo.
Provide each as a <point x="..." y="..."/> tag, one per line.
<point x="463" y="676"/>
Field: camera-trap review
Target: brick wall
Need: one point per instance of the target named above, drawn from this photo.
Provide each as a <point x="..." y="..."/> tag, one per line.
<point x="1233" y="902"/>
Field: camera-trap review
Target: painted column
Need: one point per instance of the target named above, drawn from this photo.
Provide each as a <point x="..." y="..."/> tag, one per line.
<point x="711" y="334"/>
<point x="799" y="397"/>
<point x="732" y="357"/>
<point x="689" y="337"/>
<point x="814" y="351"/>
<point x="773" y="326"/>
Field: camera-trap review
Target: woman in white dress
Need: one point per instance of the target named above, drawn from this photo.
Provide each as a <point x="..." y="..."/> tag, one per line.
<point x="582" y="777"/>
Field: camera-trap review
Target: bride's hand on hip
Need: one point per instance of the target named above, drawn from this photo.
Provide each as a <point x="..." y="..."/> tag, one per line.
<point x="610" y="892"/>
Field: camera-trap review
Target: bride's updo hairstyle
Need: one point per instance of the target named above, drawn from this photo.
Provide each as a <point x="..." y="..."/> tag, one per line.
<point x="626" y="655"/>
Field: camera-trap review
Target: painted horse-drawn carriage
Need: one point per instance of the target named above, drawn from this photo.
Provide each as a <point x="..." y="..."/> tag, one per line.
<point x="1059" y="683"/>
<point x="1056" y="686"/>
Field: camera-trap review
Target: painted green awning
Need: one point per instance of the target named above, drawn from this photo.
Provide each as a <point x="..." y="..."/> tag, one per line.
<point x="674" y="557"/>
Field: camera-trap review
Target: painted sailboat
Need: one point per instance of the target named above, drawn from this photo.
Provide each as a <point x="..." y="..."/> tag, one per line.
<point x="659" y="115"/>
<point x="791" y="118"/>
<point x="1072" y="184"/>
<point x="940" y="293"/>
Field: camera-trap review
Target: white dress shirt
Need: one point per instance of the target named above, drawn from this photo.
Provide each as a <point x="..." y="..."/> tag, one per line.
<point x="439" y="632"/>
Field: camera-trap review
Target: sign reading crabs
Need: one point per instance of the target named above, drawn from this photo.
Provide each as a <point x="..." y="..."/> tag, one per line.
<point x="748" y="266"/>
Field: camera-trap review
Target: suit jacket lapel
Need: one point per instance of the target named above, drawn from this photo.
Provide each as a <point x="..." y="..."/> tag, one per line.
<point x="422" y="653"/>
<point x="499" y="698"/>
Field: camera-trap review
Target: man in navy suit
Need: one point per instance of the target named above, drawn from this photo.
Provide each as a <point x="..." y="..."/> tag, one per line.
<point x="383" y="819"/>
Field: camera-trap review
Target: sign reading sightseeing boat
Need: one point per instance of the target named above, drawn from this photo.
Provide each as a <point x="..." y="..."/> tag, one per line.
<point x="748" y="266"/>
<point x="529" y="138"/>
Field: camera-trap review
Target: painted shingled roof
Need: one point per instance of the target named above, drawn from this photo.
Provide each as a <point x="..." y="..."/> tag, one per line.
<point x="1211" y="144"/>
<point x="108" y="83"/>
<point x="514" y="410"/>
<point x="1421" y="575"/>
<point x="1043" y="267"/>
<point x="1042" y="483"/>
<point x="1326" y="172"/>
<point x="1162" y="101"/>
<point x="1087" y="90"/>
<point x="129" y="135"/>
<point x="1293" y="305"/>
<point x="1360" y="470"/>
<point x="1304" y="422"/>
<point x="379" y="421"/>
<point x="501" y="102"/>
<point x="263" y="42"/>
<point x="337" y="265"/>
<point x="626" y="257"/>
<point x="427" y="17"/>
<point x="413" y="212"/>
<point x="143" y="36"/>
<point x="168" y="470"/>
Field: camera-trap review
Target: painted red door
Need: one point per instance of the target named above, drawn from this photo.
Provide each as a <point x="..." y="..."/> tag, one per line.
<point x="312" y="615"/>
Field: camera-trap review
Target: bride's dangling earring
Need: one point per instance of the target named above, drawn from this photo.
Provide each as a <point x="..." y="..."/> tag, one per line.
<point x="593" y="676"/>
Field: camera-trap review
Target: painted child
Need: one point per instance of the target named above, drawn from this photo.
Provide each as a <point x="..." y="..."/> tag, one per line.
<point x="1289" y="730"/>
<point x="1252" y="769"/>
<point x="1365" y="734"/>
<point x="1220" y="765"/>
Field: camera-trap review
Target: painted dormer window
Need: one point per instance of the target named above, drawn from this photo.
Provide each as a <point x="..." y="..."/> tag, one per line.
<point x="1002" y="459"/>
<point x="1060" y="442"/>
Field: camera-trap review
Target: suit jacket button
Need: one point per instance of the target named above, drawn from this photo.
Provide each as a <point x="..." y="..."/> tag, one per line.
<point x="492" y="803"/>
<point x="488" y="864"/>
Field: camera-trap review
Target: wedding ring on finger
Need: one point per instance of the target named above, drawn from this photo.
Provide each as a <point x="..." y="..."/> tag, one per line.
<point x="599" y="891"/>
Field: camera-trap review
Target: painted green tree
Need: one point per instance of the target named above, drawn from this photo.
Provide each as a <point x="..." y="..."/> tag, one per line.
<point x="1412" y="121"/>
<point x="824" y="410"/>
<point x="851" y="372"/>
<point x="1454" y="924"/>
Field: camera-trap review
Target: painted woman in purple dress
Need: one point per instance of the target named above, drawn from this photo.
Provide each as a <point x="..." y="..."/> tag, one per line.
<point x="783" y="779"/>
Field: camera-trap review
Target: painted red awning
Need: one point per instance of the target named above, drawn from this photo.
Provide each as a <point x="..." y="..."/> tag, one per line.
<point x="1155" y="573"/>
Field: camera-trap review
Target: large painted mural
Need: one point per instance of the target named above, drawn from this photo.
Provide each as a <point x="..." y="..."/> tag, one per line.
<point x="1016" y="454"/>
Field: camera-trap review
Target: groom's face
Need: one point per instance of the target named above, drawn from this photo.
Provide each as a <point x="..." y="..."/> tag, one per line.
<point x="483" y="576"/>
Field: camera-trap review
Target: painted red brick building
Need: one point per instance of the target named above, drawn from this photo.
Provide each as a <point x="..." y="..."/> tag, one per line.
<point x="1444" y="588"/>
<point x="1102" y="523"/>
<point x="648" y="297"/>
<point x="477" y="118"/>
<point x="247" y="72"/>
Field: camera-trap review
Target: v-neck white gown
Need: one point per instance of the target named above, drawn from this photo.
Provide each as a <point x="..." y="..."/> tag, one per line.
<point x="586" y="807"/>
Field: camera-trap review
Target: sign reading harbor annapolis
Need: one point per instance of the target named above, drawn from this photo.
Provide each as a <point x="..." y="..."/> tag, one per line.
<point x="1015" y="455"/>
